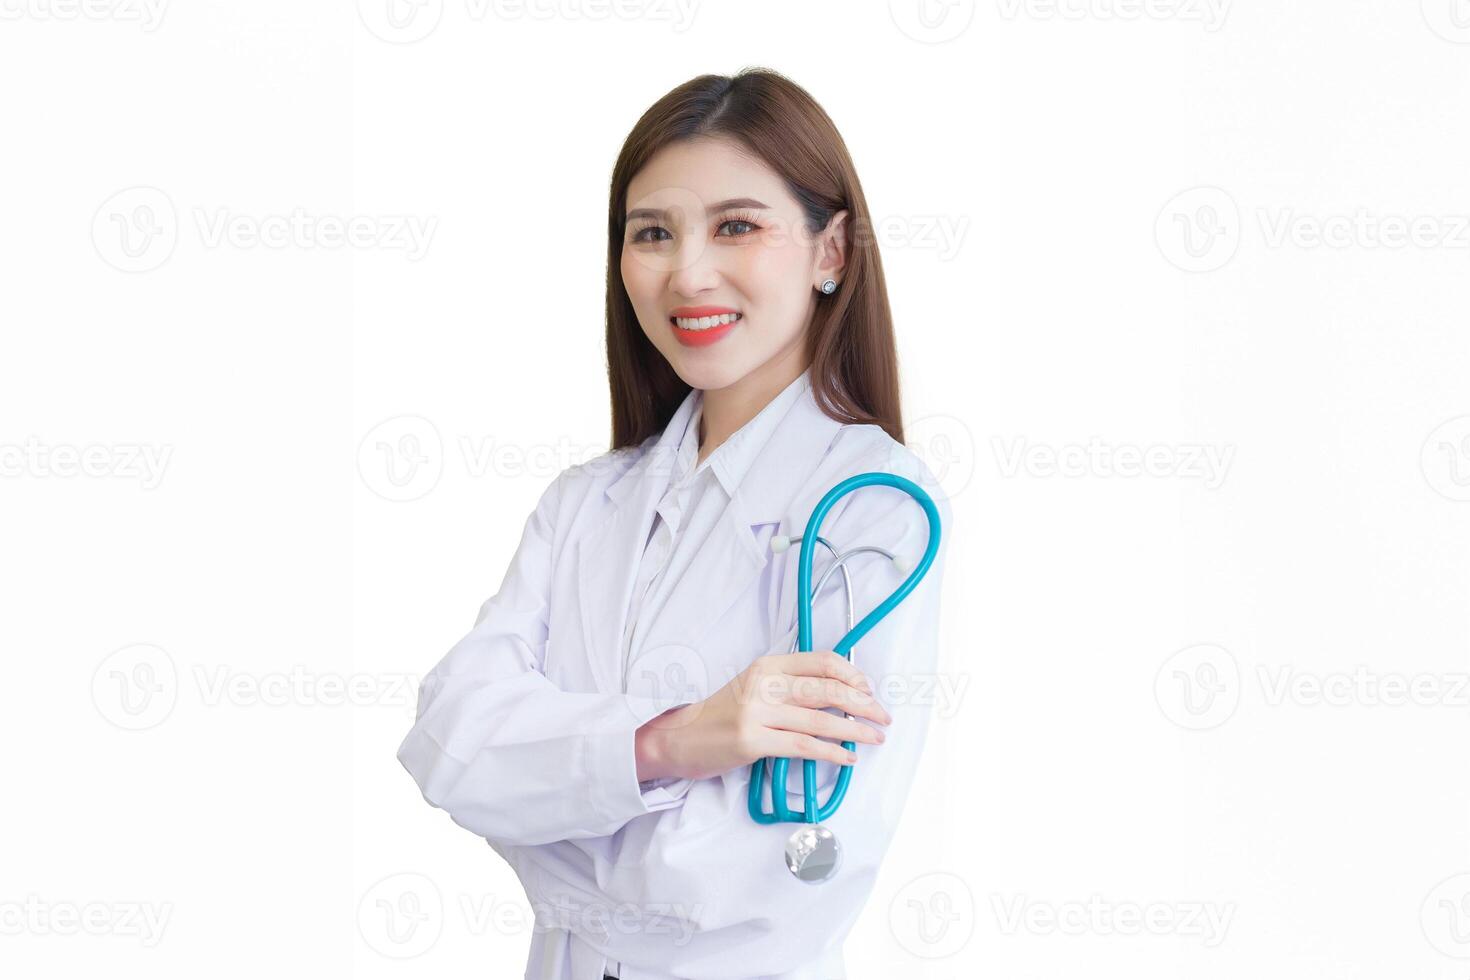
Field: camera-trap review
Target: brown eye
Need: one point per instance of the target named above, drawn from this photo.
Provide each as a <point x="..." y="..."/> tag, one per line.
<point x="749" y="226"/>
<point x="642" y="234"/>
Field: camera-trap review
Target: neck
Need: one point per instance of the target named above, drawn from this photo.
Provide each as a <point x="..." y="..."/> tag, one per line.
<point x="726" y="410"/>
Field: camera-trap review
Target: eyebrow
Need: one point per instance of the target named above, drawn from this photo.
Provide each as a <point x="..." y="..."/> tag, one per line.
<point x="734" y="202"/>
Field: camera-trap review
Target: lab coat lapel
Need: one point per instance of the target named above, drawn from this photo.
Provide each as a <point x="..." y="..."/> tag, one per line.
<point x="728" y="562"/>
<point x="607" y="557"/>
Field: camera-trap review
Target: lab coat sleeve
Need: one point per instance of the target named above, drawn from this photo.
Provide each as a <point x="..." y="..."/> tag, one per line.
<point x="709" y="859"/>
<point x="501" y="749"/>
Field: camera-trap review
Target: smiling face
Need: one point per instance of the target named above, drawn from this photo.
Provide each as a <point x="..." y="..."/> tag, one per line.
<point x="719" y="265"/>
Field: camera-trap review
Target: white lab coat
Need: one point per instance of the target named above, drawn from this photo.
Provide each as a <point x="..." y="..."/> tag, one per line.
<point x="524" y="732"/>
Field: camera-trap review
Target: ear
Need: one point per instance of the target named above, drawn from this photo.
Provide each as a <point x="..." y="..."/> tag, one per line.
<point x="831" y="250"/>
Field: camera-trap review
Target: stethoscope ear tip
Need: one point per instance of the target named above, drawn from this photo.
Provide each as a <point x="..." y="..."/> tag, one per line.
<point x="780" y="543"/>
<point x="903" y="565"/>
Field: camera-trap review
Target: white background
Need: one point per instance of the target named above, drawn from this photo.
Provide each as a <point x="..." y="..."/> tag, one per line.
<point x="1227" y="699"/>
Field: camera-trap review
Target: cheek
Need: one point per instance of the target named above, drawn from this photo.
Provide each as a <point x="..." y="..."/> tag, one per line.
<point x="774" y="276"/>
<point x="630" y="270"/>
<point x="777" y="253"/>
<point x="639" y="281"/>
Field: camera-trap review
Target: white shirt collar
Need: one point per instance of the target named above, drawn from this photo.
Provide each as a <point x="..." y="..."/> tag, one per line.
<point x="732" y="458"/>
<point x="768" y="475"/>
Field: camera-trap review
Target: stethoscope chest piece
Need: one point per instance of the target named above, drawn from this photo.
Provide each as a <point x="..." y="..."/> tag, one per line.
<point x="813" y="854"/>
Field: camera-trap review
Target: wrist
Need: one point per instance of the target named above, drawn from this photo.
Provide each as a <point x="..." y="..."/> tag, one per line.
<point x="651" y="747"/>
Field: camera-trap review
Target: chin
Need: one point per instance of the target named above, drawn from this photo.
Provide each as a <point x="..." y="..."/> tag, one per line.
<point x="708" y="374"/>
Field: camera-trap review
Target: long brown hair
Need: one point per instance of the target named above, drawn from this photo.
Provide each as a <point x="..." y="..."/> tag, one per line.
<point x="854" y="365"/>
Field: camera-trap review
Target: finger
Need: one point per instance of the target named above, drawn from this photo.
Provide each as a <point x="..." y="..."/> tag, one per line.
<point x="808" y="721"/>
<point x="824" y="692"/>
<point x="826" y="663"/>
<point x="796" y="746"/>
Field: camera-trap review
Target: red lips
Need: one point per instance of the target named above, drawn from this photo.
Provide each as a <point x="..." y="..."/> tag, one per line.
<point x="701" y="338"/>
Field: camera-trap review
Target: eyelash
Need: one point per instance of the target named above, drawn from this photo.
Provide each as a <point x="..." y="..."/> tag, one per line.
<point x="738" y="217"/>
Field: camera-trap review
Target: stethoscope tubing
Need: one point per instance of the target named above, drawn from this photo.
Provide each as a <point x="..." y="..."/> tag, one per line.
<point x="813" y="811"/>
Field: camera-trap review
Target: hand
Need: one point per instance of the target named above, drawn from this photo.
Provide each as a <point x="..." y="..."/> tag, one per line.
<point x="772" y="708"/>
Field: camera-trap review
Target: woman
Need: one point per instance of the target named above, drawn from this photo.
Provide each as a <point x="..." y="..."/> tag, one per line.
<point x="598" y="724"/>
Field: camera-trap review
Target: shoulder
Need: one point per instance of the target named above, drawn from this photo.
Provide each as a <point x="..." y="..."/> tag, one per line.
<point x="601" y="471"/>
<point x="868" y="448"/>
<point x="581" y="484"/>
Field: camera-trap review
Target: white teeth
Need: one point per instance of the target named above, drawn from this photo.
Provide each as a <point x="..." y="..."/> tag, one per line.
<point x="705" y="322"/>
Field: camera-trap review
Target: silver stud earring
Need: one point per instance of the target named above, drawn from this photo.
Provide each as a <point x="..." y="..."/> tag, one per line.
<point x="829" y="286"/>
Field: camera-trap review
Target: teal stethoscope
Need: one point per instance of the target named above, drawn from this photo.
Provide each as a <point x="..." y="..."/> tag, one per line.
<point x="812" y="852"/>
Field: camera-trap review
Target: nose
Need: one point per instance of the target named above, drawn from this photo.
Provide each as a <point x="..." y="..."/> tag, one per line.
<point x="696" y="270"/>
